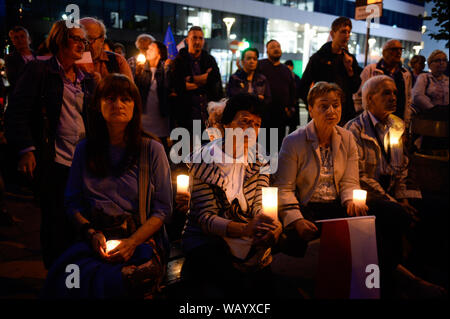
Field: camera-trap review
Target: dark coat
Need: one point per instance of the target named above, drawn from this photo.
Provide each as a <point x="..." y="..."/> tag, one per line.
<point x="326" y="66"/>
<point x="239" y="84"/>
<point x="14" y="65"/>
<point x="143" y="82"/>
<point x="35" y="106"/>
<point x="182" y="109"/>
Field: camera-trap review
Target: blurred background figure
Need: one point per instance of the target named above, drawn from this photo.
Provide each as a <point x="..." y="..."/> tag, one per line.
<point x="22" y="54"/>
<point x="151" y="79"/>
<point x="119" y="48"/>
<point x="417" y="64"/>
<point x="142" y="42"/>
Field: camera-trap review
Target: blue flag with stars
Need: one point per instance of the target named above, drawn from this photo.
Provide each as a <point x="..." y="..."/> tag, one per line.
<point x="169" y="41"/>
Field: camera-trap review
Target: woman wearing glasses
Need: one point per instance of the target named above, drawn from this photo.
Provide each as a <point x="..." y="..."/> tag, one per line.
<point x="44" y="122"/>
<point x="431" y="89"/>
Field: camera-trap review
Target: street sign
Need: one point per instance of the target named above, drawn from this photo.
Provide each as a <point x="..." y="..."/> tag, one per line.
<point x="366" y="8"/>
<point x="234" y="46"/>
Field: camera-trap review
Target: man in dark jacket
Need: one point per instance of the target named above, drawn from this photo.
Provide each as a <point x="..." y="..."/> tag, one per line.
<point x="333" y="63"/>
<point x="196" y="81"/>
<point x="281" y="110"/>
<point x="22" y="54"/>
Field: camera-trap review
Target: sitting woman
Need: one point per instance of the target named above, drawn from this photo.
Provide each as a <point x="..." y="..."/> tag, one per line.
<point x="119" y="189"/>
<point x="318" y="167"/>
<point x="247" y="80"/>
<point x="227" y="238"/>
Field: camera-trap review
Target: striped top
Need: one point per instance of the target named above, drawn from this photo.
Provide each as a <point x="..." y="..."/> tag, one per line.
<point x="210" y="210"/>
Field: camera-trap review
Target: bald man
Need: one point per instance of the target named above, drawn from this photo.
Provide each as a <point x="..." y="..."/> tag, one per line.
<point x="392" y="66"/>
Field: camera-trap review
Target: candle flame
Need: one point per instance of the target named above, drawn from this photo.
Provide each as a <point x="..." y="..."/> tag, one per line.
<point x="141" y="58"/>
<point x="111" y="244"/>
<point x="359" y="194"/>
<point x="182" y="183"/>
<point x="270" y="196"/>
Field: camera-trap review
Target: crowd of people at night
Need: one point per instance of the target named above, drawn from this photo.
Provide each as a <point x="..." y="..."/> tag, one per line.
<point x="92" y="142"/>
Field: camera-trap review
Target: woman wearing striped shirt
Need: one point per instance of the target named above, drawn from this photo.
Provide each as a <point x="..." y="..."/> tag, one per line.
<point x="226" y="238"/>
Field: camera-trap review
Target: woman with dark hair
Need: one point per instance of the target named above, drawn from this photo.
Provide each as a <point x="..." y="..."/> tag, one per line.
<point x="120" y="189"/>
<point x="152" y="81"/>
<point x="44" y="122"/>
<point x="246" y="80"/>
<point x="227" y="237"/>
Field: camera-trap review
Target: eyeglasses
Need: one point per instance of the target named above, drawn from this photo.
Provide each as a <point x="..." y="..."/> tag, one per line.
<point x="92" y="40"/>
<point x="439" y="60"/>
<point x="77" y="39"/>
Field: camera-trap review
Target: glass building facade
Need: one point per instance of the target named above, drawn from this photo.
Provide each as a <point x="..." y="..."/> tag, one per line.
<point x="125" y="19"/>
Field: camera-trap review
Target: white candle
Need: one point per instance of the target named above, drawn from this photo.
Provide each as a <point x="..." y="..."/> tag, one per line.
<point x="183" y="183"/>
<point x="111" y="244"/>
<point x="270" y="201"/>
<point x="359" y="197"/>
<point x="141" y="58"/>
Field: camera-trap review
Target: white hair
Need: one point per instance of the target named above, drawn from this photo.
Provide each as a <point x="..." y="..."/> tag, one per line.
<point x="217" y="107"/>
<point x="143" y="35"/>
<point x="371" y="86"/>
<point x="90" y="20"/>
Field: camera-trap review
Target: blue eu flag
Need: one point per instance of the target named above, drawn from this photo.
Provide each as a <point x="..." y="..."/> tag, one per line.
<point x="169" y="41"/>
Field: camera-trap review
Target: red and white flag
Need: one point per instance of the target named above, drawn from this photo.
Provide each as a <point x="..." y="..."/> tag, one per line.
<point x="348" y="259"/>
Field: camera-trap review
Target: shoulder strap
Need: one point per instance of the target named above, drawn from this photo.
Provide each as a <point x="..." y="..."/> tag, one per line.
<point x="144" y="178"/>
<point x="112" y="65"/>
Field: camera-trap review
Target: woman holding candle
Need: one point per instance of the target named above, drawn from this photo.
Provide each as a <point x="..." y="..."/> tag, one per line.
<point x="152" y="80"/>
<point x="318" y="166"/>
<point x="119" y="188"/>
<point x="227" y="237"/>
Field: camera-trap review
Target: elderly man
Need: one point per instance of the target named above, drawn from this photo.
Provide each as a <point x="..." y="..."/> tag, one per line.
<point x="105" y="62"/>
<point x="196" y="80"/>
<point x="391" y="65"/>
<point x="142" y="43"/>
<point x="22" y="54"/>
<point x="383" y="172"/>
<point x="378" y="132"/>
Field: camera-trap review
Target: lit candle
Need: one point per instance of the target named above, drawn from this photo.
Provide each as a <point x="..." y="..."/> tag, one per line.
<point x="111" y="244"/>
<point x="183" y="183"/>
<point x="359" y="197"/>
<point x="141" y="58"/>
<point x="270" y="201"/>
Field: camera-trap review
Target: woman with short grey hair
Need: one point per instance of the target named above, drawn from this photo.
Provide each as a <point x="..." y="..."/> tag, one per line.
<point x="431" y="89"/>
